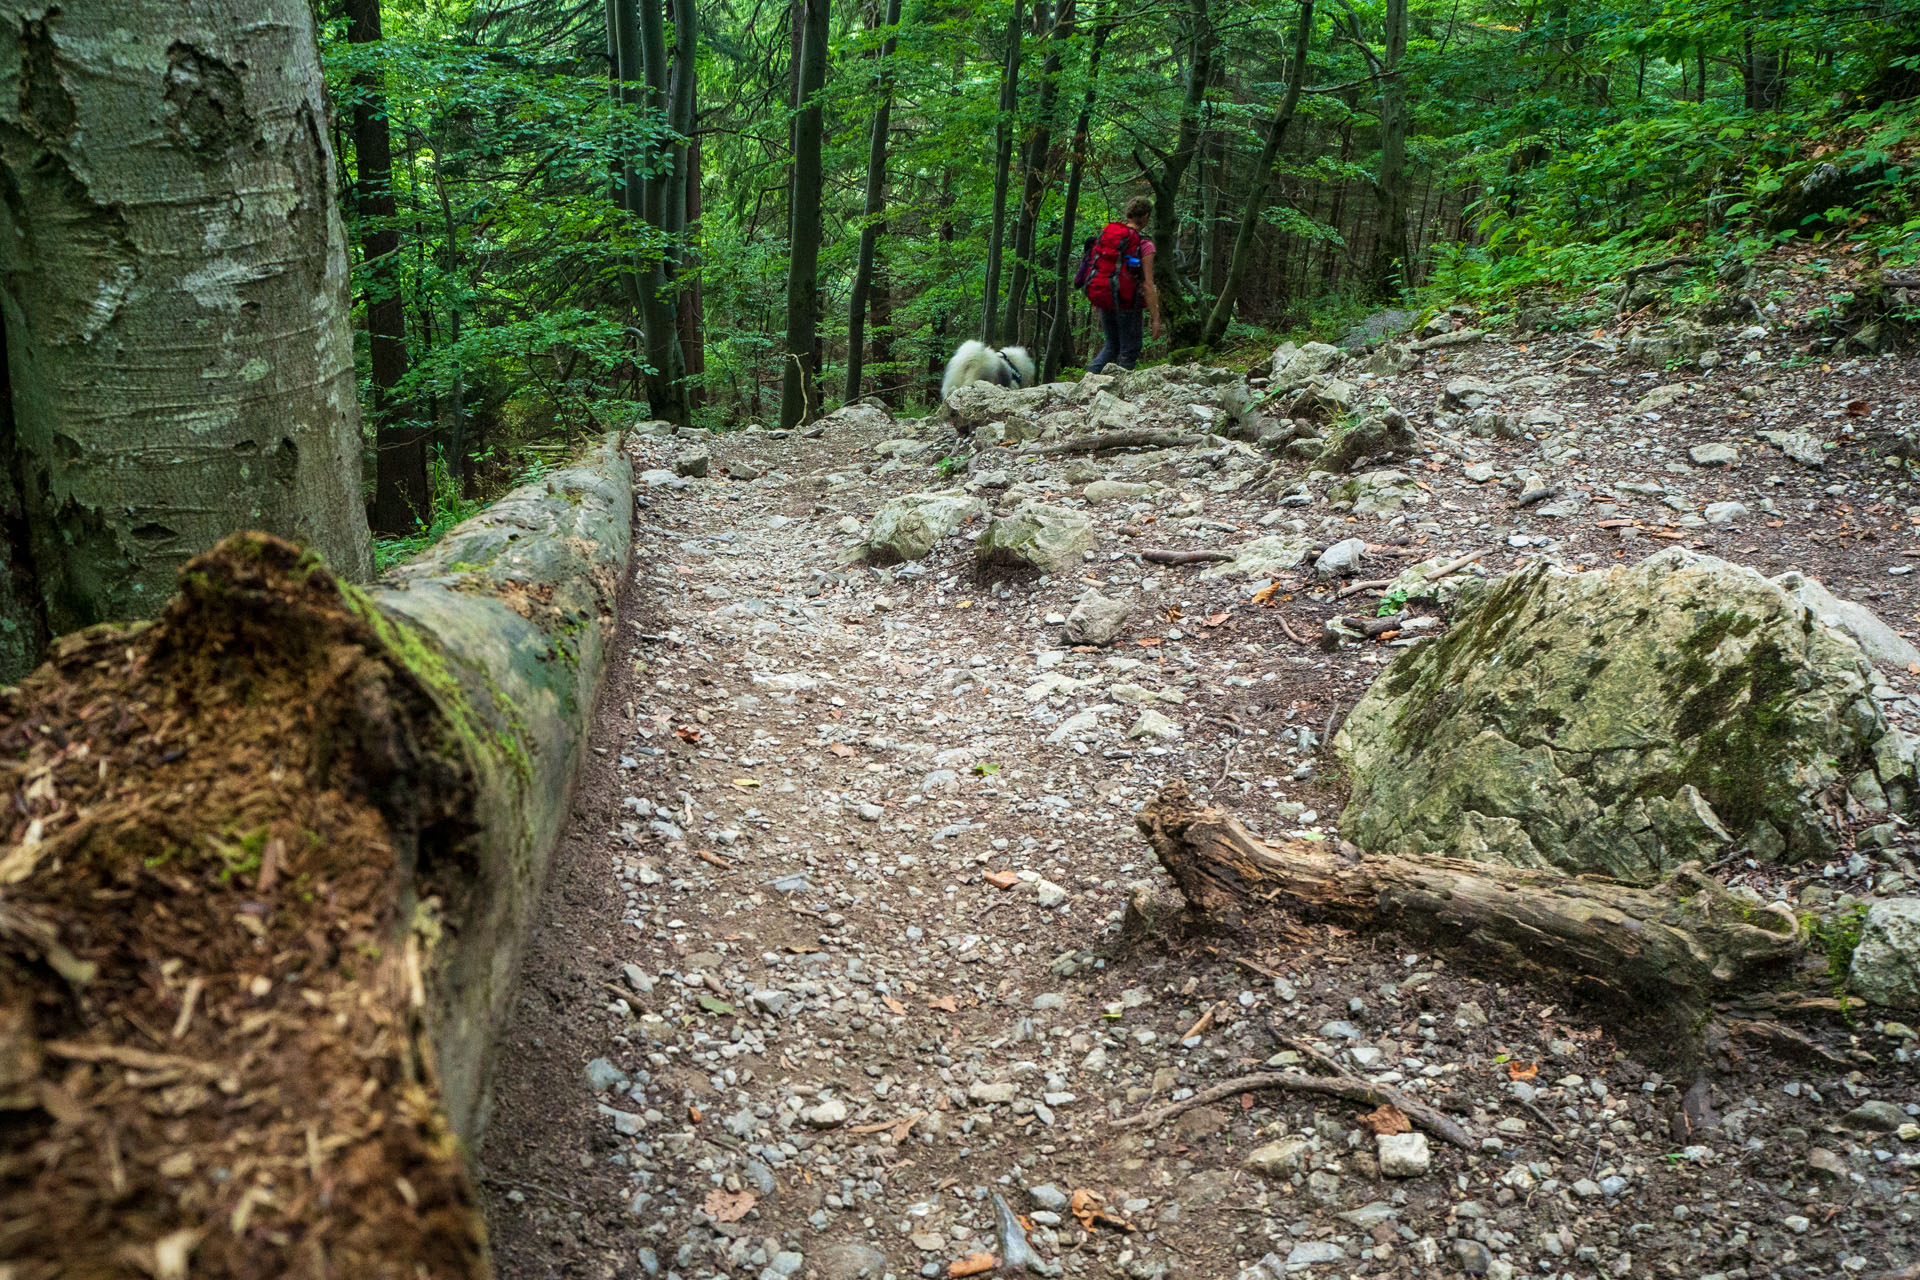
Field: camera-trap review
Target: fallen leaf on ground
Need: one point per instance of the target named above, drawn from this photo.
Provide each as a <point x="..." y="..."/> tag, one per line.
<point x="974" y="1264"/>
<point x="1149" y="642"/>
<point x="729" y="1206"/>
<point x="893" y="1004"/>
<point x="746" y="784"/>
<point x="1857" y="408"/>
<point x="1086" y="1206"/>
<point x="686" y="733"/>
<point x="1266" y="594"/>
<point x="1387" y="1118"/>
<point x="841" y="749"/>
<point x="1213" y="619"/>
<point x="1522" y="1070"/>
<point x="1001" y="879"/>
<point x="693" y="1114"/>
<point x="946" y="1004"/>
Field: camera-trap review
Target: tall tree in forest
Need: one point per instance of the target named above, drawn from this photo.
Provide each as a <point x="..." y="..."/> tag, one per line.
<point x="1058" y="335"/>
<point x="402" y="500"/>
<point x="873" y="224"/>
<point x="180" y="361"/>
<point x="800" y="372"/>
<point x="683" y="200"/>
<point x="1183" y="323"/>
<point x="666" y="379"/>
<point x="1002" y="163"/>
<point x="1222" y="313"/>
<point x="1039" y="146"/>
<point x="1387" y="270"/>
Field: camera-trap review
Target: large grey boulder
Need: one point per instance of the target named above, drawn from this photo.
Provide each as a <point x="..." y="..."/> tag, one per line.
<point x="1267" y="557"/>
<point x="1620" y="721"/>
<point x="1096" y="619"/>
<point x="979" y="403"/>
<point x="1379" y="435"/>
<point x="1296" y="366"/>
<point x="1037" y="536"/>
<point x="1375" y="493"/>
<point x="1886" y="961"/>
<point x="1883" y="645"/>
<point x="909" y="526"/>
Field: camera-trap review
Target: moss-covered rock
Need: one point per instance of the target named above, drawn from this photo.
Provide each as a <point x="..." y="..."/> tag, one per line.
<point x="909" y="526"/>
<point x="1037" y="536"/>
<point x="1622" y="722"/>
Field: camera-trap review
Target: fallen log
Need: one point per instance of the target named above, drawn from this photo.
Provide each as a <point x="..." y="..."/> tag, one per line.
<point x="1153" y="555"/>
<point x="1104" y="441"/>
<point x="264" y="886"/>
<point x="1673" y="948"/>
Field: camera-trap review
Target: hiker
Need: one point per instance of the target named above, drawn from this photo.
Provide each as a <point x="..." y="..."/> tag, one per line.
<point x="1116" y="269"/>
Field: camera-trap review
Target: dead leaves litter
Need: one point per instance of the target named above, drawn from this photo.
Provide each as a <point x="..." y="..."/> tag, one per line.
<point x="729" y="1206"/>
<point x="1387" y="1118"/>
<point x="974" y="1264"/>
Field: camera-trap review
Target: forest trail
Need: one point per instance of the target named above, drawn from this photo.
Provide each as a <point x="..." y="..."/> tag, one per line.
<point x="781" y="1019"/>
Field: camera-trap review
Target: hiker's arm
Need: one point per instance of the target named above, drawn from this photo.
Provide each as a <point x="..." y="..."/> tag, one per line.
<point x="1153" y="290"/>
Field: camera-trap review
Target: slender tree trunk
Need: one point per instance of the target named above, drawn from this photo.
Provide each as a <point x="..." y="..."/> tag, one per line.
<point x="693" y="310"/>
<point x="181" y="360"/>
<point x="666" y="381"/>
<point x="1389" y="270"/>
<point x="1183" y="319"/>
<point x="682" y="192"/>
<point x="1222" y="313"/>
<point x="1038" y="147"/>
<point x="1002" y="162"/>
<point x="799" y="376"/>
<point x="874" y="225"/>
<point x="1060" y="339"/>
<point x="402" y="499"/>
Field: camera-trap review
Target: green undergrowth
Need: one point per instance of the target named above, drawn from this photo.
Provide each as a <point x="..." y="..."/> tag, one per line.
<point x="449" y="509"/>
<point x="1711" y="180"/>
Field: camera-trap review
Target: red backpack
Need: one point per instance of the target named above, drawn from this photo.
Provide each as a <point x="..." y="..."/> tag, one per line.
<point x="1113" y="270"/>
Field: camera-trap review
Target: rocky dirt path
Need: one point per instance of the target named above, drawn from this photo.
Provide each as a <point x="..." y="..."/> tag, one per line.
<point x="833" y="980"/>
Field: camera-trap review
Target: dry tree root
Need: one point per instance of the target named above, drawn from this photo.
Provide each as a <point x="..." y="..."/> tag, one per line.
<point x="1348" y="1087"/>
<point x="1103" y="441"/>
<point x="1683" y="950"/>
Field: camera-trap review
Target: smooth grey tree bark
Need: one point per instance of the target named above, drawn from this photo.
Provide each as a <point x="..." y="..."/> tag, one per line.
<point x="179" y="347"/>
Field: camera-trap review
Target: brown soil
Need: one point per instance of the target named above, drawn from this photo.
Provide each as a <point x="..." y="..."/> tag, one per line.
<point x="211" y="1049"/>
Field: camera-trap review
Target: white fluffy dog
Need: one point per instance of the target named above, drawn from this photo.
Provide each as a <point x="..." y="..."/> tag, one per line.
<point x="978" y="362"/>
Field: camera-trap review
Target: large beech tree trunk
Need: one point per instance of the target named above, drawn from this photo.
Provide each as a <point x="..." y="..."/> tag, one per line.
<point x="1670" y="949"/>
<point x="178" y="334"/>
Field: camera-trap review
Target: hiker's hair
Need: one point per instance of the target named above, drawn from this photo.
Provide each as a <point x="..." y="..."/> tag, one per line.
<point x="1138" y="209"/>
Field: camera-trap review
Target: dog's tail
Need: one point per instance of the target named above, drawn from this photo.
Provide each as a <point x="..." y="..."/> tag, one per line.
<point x="973" y="362"/>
